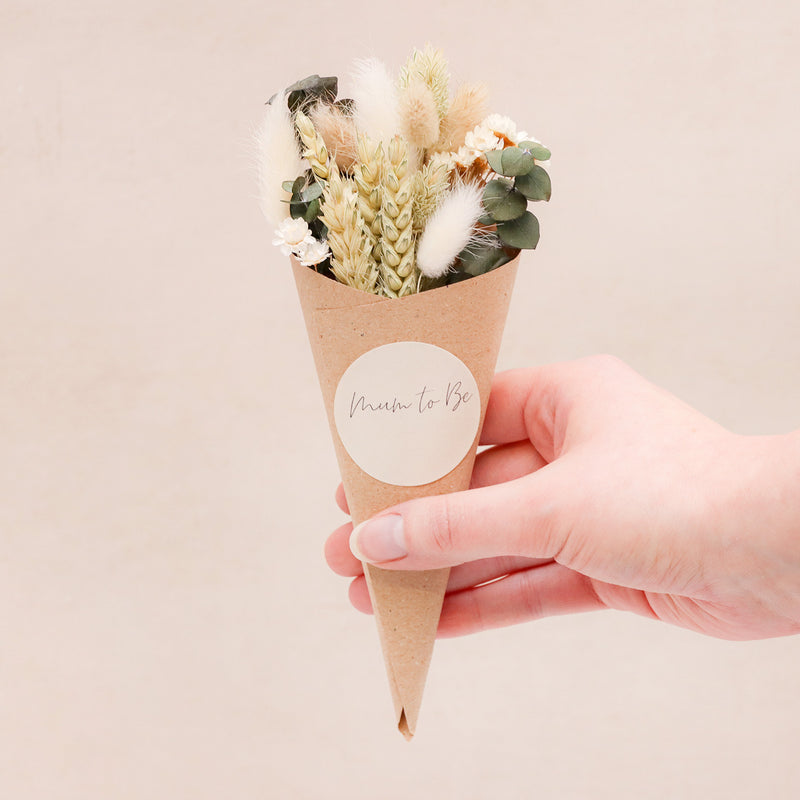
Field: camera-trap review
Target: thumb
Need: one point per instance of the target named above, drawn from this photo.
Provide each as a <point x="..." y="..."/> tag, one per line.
<point x="523" y="517"/>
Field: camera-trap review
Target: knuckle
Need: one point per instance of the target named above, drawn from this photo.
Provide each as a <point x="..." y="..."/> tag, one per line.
<point x="442" y="526"/>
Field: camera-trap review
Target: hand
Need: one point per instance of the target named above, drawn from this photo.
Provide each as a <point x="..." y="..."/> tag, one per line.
<point x="601" y="490"/>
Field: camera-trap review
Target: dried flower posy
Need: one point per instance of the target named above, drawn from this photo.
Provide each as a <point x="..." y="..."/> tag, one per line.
<point x="403" y="187"/>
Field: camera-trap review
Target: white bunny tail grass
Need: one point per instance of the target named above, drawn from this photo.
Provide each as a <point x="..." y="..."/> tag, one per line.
<point x="449" y="230"/>
<point x="375" y="100"/>
<point x="278" y="158"/>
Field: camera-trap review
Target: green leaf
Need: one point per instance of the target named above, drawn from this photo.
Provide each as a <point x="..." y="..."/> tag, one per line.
<point x="495" y="159"/>
<point x="312" y="88"/>
<point x="537" y="150"/>
<point x="312" y="211"/>
<point x="288" y="186"/>
<point x="522" y="232"/>
<point x="503" y="201"/>
<point x="297" y="186"/>
<point x="311" y="192"/>
<point x="535" y="185"/>
<point x="479" y="260"/>
<point x="516" y="162"/>
<point x="510" y="162"/>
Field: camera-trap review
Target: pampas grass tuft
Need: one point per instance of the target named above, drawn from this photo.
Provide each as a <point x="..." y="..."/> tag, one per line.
<point x="449" y="230"/>
<point x="467" y="109"/>
<point x="338" y="131"/>
<point x="419" y="117"/>
<point x="278" y="158"/>
<point x="375" y="98"/>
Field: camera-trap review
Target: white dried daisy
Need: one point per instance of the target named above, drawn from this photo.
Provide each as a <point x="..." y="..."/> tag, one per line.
<point x="481" y="138"/>
<point x="292" y="235"/>
<point x="313" y="252"/>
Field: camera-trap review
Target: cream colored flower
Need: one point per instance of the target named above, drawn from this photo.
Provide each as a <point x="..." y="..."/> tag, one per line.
<point x="292" y="235"/>
<point x="313" y="252"/>
<point x="502" y="126"/>
<point x="481" y="138"/>
<point x="466" y="156"/>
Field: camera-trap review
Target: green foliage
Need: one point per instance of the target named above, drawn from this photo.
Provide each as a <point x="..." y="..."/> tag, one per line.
<point x="311" y="90"/>
<point x="477" y="260"/>
<point x="510" y="161"/>
<point x="537" y="150"/>
<point x="306" y="202"/>
<point x="522" y="232"/>
<point x="502" y="201"/>
<point x="535" y="185"/>
<point x="506" y="201"/>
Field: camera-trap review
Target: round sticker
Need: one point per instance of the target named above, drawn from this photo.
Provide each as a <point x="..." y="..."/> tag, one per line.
<point x="407" y="412"/>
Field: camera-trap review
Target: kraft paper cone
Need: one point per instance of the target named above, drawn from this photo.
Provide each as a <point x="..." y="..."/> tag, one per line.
<point x="465" y="319"/>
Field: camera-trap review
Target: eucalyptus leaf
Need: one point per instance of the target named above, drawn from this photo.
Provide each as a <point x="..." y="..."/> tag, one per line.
<point x="537" y="150"/>
<point x="311" y="192"/>
<point x="495" y="159"/>
<point x="516" y="162"/>
<point x="479" y="260"/>
<point x="535" y="185"/>
<point x="312" y="210"/>
<point x="522" y="232"/>
<point x="503" y="201"/>
<point x="288" y="186"/>
<point x="312" y="88"/>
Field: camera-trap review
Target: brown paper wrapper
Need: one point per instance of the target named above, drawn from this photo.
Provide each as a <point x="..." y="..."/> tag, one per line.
<point x="466" y="319"/>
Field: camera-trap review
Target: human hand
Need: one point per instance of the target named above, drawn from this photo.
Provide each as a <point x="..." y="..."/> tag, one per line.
<point x="601" y="490"/>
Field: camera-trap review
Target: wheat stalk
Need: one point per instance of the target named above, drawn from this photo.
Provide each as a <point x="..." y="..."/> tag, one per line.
<point x="429" y="184"/>
<point x="396" y="220"/>
<point x="315" y="151"/>
<point x="368" y="174"/>
<point x="348" y="236"/>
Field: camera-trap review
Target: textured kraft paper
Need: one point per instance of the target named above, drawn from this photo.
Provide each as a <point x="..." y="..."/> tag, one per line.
<point x="467" y="319"/>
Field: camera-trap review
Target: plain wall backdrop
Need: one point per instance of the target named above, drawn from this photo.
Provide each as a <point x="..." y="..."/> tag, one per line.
<point x="168" y="628"/>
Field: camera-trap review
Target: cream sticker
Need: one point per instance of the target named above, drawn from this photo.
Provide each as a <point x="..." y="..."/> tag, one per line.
<point x="407" y="412"/>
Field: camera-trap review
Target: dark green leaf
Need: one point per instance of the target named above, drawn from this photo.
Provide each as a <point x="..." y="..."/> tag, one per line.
<point x="479" y="260"/>
<point x="535" y="185"/>
<point x="522" y="232"/>
<point x="312" y="89"/>
<point x="538" y="151"/>
<point x="312" y="211"/>
<point x="502" y="201"/>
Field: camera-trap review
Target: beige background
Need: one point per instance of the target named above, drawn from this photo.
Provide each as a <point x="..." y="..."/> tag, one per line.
<point x="169" y="629"/>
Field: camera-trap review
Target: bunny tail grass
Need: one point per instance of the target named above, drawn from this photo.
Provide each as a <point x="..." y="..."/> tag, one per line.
<point x="419" y="118"/>
<point x="375" y="99"/>
<point x="449" y="230"/>
<point x="278" y="159"/>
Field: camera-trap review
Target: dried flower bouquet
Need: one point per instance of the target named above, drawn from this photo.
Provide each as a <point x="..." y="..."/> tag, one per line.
<point x="403" y="187"/>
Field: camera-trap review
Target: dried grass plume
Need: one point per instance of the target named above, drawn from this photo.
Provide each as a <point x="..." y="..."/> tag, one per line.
<point x="467" y="109"/>
<point x="338" y="131"/>
<point x="375" y="99"/>
<point x="419" y="118"/>
<point x="278" y="159"/>
<point x="449" y="230"/>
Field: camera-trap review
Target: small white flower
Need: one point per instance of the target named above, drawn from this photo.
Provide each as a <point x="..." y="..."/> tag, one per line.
<point x="502" y="126"/>
<point x="313" y="252"/>
<point x="291" y="235"/>
<point x="481" y="138"/>
<point x="466" y="156"/>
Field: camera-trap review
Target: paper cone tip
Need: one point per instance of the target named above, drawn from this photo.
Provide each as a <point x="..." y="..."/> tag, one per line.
<point x="402" y="726"/>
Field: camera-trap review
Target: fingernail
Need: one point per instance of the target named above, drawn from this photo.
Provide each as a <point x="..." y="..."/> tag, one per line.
<point x="379" y="539"/>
